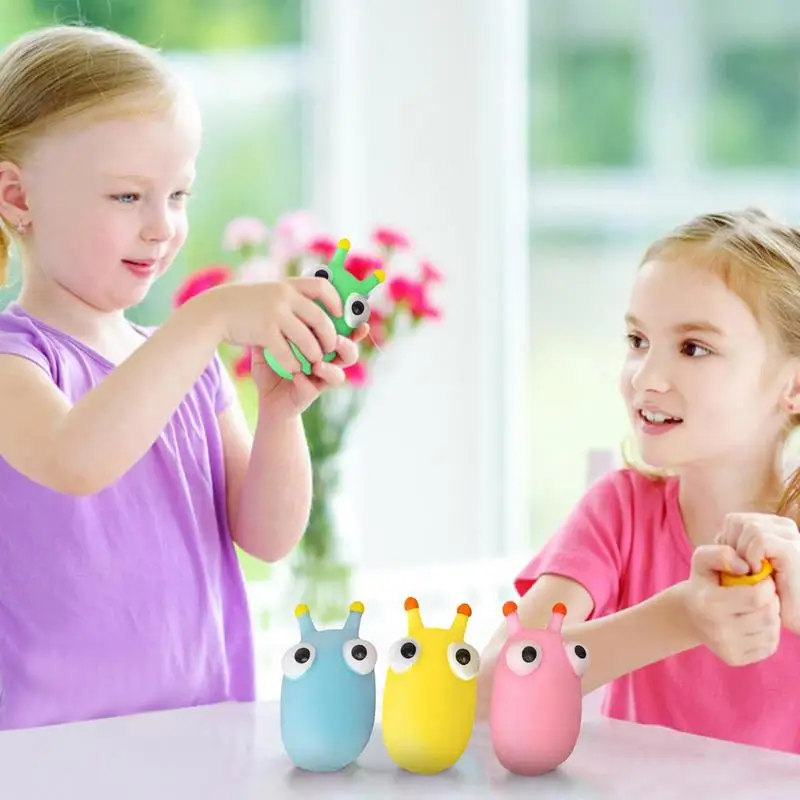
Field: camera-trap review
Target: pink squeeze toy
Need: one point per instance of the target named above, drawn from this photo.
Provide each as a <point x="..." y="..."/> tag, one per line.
<point x="536" y="704"/>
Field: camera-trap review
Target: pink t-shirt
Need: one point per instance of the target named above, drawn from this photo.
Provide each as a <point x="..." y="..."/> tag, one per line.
<point x="625" y="542"/>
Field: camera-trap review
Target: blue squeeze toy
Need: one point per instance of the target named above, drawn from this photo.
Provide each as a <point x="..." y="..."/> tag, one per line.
<point x="328" y="694"/>
<point x="354" y="294"/>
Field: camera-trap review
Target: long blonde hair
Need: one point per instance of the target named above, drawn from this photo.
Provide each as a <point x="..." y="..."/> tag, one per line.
<point x="65" y="72"/>
<point x="758" y="258"/>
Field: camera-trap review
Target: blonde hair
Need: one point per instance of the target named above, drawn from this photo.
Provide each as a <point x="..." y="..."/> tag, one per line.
<point x="758" y="258"/>
<point x="65" y="72"/>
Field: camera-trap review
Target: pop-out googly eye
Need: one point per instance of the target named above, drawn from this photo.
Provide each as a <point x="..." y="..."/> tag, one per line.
<point x="578" y="656"/>
<point x="464" y="660"/>
<point x="403" y="654"/>
<point x="523" y="658"/>
<point x="298" y="660"/>
<point x="360" y="655"/>
<point x="356" y="310"/>
<point x="317" y="271"/>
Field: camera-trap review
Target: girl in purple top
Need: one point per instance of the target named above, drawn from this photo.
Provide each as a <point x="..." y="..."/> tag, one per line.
<point x="126" y="469"/>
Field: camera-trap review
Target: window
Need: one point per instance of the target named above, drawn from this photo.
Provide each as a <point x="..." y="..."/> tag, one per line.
<point x="754" y="115"/>
<point x="583" y="104"/>
<point x="584" y="85"/>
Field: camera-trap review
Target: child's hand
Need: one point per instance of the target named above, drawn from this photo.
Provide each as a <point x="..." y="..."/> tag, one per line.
<point x="284" y="398"/>
<point x="740" y="624"/>
<point x="755" y="537"/>
<point x="268" y="316"/>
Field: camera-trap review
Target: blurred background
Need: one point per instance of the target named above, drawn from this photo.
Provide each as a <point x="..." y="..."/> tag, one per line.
<point x="530" y="149"/>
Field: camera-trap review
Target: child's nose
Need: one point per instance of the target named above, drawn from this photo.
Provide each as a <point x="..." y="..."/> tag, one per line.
<point x="158" y="228"/>
<point x="652" y="375"/>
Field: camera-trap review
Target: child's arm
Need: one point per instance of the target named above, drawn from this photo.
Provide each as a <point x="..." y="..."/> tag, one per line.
<point x="618" y="643"/>
<point x="82" y="448"/>
<point x="268" y="480"/>
<point x="739" y="624"/>
<point x="635" y="637"/>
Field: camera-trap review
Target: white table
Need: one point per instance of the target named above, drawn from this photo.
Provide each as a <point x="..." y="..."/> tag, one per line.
<point x="233" y="752"/>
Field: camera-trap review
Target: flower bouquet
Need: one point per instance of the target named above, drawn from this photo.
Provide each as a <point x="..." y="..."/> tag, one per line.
<point x="403" y="304"/>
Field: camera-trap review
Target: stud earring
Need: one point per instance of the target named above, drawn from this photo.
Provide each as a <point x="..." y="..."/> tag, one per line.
<point x="21" y="227"/>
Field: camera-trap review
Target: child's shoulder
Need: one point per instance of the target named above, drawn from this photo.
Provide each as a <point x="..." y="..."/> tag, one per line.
<point x="631" y="488"/>
<point x="21" y="336"/>
<point x="13" y="322"/>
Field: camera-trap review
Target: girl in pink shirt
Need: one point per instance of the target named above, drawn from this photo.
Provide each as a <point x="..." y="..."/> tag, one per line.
<point x="712" y="385"/>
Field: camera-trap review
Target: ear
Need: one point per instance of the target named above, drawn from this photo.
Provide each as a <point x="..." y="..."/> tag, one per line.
<point x="790" y="398"/>
<point x="13" y="201"/>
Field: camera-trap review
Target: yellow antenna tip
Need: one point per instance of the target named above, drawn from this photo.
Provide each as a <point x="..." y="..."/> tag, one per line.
<point x="300" y="609"/>
<point x="344" y="244"/>
<point x="357" y="606"/>
<point x="380" y="275"/>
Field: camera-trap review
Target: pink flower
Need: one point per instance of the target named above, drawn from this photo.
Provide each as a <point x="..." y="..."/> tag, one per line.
<point x="356" y="374"/>
<point x="429" y="274"/>
<point x="422" y="308"/>
<point x="322" y="246"/>
<point x="413" y="294"/>
<point x="377" y="329"/>
<point x="292" y="235"/>
<point x="243" y="365"/>
<point x="402" y="289"/>
<point x="260" y="268"/>
<point x="391" y="239"/>
<point x="244" y="232"/>
<point x="360" y="265"/>
<point x="201" y="281"/>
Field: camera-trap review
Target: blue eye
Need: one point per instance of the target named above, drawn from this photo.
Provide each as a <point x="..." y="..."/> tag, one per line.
<point x="126" y="197"/>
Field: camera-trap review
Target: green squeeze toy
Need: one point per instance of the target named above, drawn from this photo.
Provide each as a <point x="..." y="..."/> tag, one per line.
<point x="355" y="302"/>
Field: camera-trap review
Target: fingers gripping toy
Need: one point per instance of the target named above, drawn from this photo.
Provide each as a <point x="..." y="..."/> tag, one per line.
<point x="729" y="579"/>
<point x="354" y="294"/>
<point x="430" y="694"/>
<point x="535" y="713"/>
<point x="328" y="694"/>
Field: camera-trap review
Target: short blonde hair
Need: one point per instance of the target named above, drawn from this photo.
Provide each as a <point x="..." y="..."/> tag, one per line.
<point x="758" y="258"/>
<point x="64" y="72"/>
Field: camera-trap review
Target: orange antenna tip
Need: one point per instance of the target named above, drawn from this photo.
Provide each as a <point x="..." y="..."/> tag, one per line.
<point x="465" y="610"/>
<point x="411" y="602"/>
<point x="509" y="607"/>
<point x="560" y="608"/>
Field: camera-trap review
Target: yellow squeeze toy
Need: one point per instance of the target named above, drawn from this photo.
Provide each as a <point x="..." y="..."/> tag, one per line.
<point x="430" y="694"/>
<point x="729" y="579"/>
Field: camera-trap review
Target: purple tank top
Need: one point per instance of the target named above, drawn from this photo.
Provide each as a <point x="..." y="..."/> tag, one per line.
<point x="131" y="599"/>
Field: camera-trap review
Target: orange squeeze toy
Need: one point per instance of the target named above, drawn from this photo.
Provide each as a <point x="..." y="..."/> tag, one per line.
<point x="729" y="579"/>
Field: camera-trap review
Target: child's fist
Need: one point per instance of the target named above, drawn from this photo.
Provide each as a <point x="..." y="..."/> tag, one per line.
<point x="741" y="624"/>
<point x="756" y="537"/>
